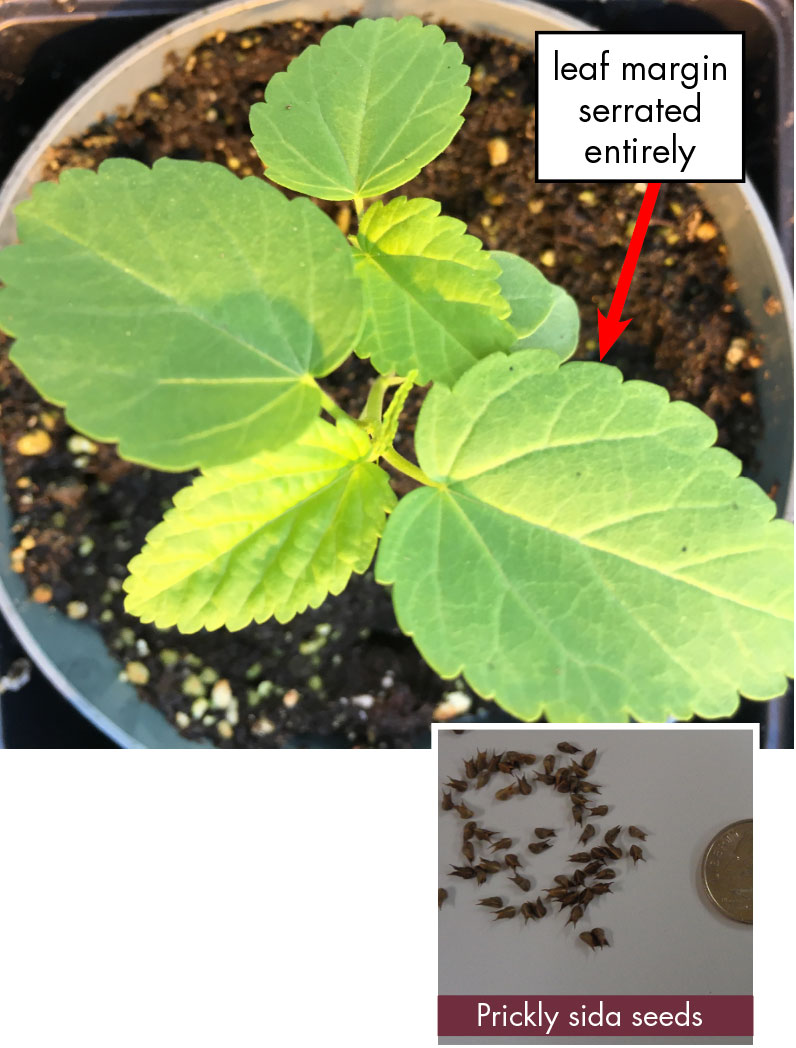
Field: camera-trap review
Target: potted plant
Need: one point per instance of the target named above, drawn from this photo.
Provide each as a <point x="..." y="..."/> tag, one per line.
<point x="290" y="504"/>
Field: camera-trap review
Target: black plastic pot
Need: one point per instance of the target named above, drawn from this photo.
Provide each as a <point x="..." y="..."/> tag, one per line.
<point x="72" y="655"/>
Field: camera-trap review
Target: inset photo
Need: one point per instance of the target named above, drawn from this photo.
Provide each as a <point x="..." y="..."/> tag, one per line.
<point x="595" y="882"/>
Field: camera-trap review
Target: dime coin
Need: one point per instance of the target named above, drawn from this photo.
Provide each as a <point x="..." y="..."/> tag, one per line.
<point x="727" y="871"/>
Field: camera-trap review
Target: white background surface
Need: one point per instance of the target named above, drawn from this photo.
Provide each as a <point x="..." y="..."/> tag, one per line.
<point x="167" y="899"/>
<point x="561" y="138"/>
<point x="680" y="786"/>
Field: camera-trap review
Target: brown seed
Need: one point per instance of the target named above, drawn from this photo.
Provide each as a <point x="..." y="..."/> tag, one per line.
<point x="484" y="835"/>
<point x="588" y="787"/>
<point x="548" y="780"/>
<point x="587" y="760"/>
<point x="512" y="861"/>
<point x="470" y="769"/>
<point x="588" y="938"/>
<point x="601" y="889"/>
<point x="542" y="833"/>
<point x="556" y="894"/>
<point x="494" y="901"/>
<point x="489" y="865"/>
<point x="599" y="809"/>
<point x="580" y="857"/>
<point x="465" y="872"/>
<point x="442" y="895"/>
<point x="588" y="832"/>
<point x="468" y="851"/>
<point x="506" y="913"/>
<point x="521" y="882"/>
<point x="541" y="909"/>
<point x="464" y="811"/>
<point x="567" y="747"/>
<point x="513" y="756"/>
<point x="577" y="801"/>
<point x="575" y="915"/>
<point x="549" y="763"/>
<point x="593" y="867"/>
<point x="578" y="877"/>
<point x="480" y="876"/>
<point x="577" y="771"/>
<point x="525" y="786"/>
<point x="507" y="791"/>
<point x="507" y="767"/>
<point x="562" y="880"/>
<point x="636" y="854"/>
<point x="586" y="897"/>
<point x="483" y="779"/>
<point x="613" y="852"/>
<point x="480" y="760"/>
<point x="457" y="784"/>
<point x="469" y="830"/>
<point x="528" y="758"/>
<point x="634" y="831"/>
<point x="568" y="899"/>
<point x="527" y="911"/>
<point x="602" y="852"/>
<point x="537" y="847"/>
<point x="599" y="937"/>
<point x="605" y="875"/>
<point x="447" y="800"/>
<point x="611" y="835"/>
<point x="492" y="766"/>
<point x="577" y="814"/>
<point x="502" y="844"/>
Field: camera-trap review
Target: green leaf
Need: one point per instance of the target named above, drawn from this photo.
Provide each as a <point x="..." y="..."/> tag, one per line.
<point x="268" y="536"/>
<point x="588" y="554"/>
<point x="432" y="298"/>
<point x="543" y="314"/>
<point x="178" y="310"/>
<point x="362" y="112"/>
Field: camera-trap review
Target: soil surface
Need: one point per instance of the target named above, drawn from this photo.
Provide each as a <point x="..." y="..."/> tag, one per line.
<point x="344" y="675"/>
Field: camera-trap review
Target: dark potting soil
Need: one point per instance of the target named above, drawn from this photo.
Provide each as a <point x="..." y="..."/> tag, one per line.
<point x="344" y="675"/>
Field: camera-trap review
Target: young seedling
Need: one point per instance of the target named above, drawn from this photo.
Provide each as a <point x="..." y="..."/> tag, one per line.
<point x="575" y="547"/>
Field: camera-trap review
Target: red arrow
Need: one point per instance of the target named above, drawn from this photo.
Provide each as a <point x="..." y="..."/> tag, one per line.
<point x="611" y="327"/>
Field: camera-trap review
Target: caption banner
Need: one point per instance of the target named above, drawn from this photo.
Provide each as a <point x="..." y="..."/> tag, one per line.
<point x="556" y="1016"/>
<point x="652" y="107"/>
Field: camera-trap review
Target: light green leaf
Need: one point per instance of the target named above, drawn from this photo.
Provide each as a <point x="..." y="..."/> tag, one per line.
<point x="432" y="298"/>
<point x="178" y="310"/>
<point x="543" y="314"/>
<point x="588" y="554"/>
<point x="268" y="536"/>
<point x="362" y="112"/>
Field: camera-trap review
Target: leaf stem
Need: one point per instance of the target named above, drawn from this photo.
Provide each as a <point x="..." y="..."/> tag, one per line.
<point x="333" y="407"/>
<point x="374" y="405"/>
<point x="359" y="205"/>
<point x="409" y="468"/>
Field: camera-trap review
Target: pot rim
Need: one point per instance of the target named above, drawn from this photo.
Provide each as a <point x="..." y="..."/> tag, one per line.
<point x="513" y="19"/>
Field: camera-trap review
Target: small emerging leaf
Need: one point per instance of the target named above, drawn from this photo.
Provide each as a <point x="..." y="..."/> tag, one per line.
<point x="270" y="535"/>
<point x="392" y="416"/>
<point x="588" y="554"/>
<point x="363" y="111"/>
<point x="178" y="310"/>
<point x="432" y="298"/>
<point x="543" y="314"/>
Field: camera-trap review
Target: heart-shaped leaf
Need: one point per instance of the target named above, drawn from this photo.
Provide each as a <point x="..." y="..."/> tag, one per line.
<point x="543" y="314"/>
<point x="268" y="536"/>
<point x="178" y="310"/>
<point x="363" y="111"/>
<point x="432" y="298"/>
<point x="588" y="554"/>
